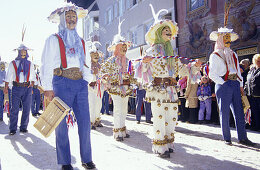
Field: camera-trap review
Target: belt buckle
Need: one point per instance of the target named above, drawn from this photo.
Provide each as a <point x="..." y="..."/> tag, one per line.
<point x="58" y="71"/>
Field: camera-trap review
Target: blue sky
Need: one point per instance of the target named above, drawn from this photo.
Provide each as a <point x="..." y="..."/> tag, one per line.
<point x="32" y="13"/>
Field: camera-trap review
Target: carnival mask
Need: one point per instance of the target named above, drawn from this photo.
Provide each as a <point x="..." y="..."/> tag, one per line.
<point x="166" y="34"/>
<point x="123" y="49"/>
<point x="71" y="19"/>
<point x="23" y="53"/>
<point x="94" y="57"/>
<point x="227" y="40"/>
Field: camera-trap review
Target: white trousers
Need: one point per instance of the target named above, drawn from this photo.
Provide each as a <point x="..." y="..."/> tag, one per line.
<point x="164" y="122"/>
<point x="119" y="114"/>
<point x="95" y="104"/>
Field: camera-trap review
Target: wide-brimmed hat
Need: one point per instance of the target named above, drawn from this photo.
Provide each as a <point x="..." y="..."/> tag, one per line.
<point x="222" y="31"/>
<point x="119" y="39"/>
<point x="150" y="35"/>
<point x="55" y="15"/>
<point x="22" y="47"/>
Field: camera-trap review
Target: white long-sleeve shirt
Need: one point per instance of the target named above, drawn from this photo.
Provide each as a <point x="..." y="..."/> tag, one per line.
<point x="51" y="59"/>
<point x="217" y="69"/>
<point x="11" y="75"/>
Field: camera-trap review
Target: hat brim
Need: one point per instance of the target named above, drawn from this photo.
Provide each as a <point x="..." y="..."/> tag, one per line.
<point x="55" y="15"/>
<point x="113" y="46"/>
<point x="150" y="35"/>
<point x="22" y="47"/>
<point x="214" y="35"/>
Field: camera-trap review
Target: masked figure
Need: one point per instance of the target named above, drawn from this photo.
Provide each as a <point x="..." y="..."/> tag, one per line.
<point x="95" y="87"/>
<point x="21" y="75"/>
<point x="65" y="73"/>
<point x="224" y="71"/>
<point x="157" y="74"/>
<point x="114" y="73"/>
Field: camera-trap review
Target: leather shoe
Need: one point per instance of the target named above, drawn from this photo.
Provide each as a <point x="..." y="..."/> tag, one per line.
<point x="119" y="138"/>
<point x="171" y="150"/>
<point x="166" y="154"/>
<point x="89" y="165"/>
<point x="228" y="142"/>
<point x="138" y="122"/>
<point x="246" y="142"/>
<point x="23" y="130"/>
<point x="67" y="167"/>
<point x="93" y="127"/>
<point x="12" y="132"/>
<point x="127" y="136"/>
<point x="149" y="121"/>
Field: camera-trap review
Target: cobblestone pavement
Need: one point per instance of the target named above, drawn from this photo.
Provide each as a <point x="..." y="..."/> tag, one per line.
<point x="196" y="147"/>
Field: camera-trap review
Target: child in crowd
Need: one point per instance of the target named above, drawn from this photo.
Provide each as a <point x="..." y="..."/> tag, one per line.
<point x="204" y="96"/>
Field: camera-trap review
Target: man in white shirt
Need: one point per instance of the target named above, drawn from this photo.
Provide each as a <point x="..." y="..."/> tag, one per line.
<point x="65" y="74"/>
<point x="20" y="74"/>
<point x="225" y="72"/>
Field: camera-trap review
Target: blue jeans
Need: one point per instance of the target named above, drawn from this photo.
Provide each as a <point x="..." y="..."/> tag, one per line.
<point x="105" y="103"/>
<point x="75" y="94"/>
<point x="229" y="97"/>
<point x="19" y="94"/>
<point x="1" y="104"/>
<point x="140" y="95"/>
<point x="10" y="99"/>
<point x="36" y="101"/>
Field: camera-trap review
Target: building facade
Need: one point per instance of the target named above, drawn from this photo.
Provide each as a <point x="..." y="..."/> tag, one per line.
<point x="138" y="19"/>
<point x="198" y="18"/>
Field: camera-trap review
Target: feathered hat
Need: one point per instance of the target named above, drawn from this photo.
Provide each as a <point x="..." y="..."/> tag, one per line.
<point x="118" y="39"/>
<point x="150" y="35"/>
<point x="94" y="49"/>
<point x="224" y="30"/>
<point x="22" y="46"/>
<point x="55" y="15"/>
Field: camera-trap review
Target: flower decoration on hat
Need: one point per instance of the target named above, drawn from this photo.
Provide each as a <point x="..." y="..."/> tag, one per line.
<point x="55" y="15"/>
<point x="224" y="30"/>
<point x="119" y="39"/>
<point x="150" y="35"/>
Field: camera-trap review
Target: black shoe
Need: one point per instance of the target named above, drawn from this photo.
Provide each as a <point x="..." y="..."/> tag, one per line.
<point x="228" y="142"/>
<point x="119" y="139"/>
<point x="34" y="115"/>
<point x="89" y="165"/>
<point x="23" y="130"/>
<point x="99" y="125"/>
<point x="93" y="127"/>
<point x="39" y="114"/>
<point x="166" y="154"/>
<point x="138" y="122"/>
<point x="108" y="114"/>
<point x="1" y="119"/>
<point x="149" y="121"/>
<point x="12" y="132"/>
<point x="67" y="167"/>
<point x="171" y="150"/>
<point x="127" y="136"/>
<point x="247" y="142"/>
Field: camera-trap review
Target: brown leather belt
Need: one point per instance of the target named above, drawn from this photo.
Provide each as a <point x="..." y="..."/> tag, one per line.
<point x="71" y="73"/>
<point x="25" y="84"/>
<point x="163" y="82"/>
<point x="231" y="77"/>
<point x="93" y="84"/>
<point x="125" y="82"/>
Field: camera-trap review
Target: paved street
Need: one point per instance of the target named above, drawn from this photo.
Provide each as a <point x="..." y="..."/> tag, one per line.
<point x="197" y="147"/>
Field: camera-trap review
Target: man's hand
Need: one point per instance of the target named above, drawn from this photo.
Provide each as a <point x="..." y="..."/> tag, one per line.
<point x="31" y="84"/>
<point x="49" y="94"/>
<point x="147" y="59"/>
<point x="198" y="63"/>
<point x="213" y="95"/>
<point x="242" y="91"/>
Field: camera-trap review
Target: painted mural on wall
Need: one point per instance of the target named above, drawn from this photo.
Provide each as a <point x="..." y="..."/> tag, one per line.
<point x="242" y="23"/>
<point x="198" y="40"/>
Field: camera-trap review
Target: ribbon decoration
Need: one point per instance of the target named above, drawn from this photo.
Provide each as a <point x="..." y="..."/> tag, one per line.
<point x="248" y="116"/>
<point x="70" y="119"/>
<point x="99" y="88"/>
